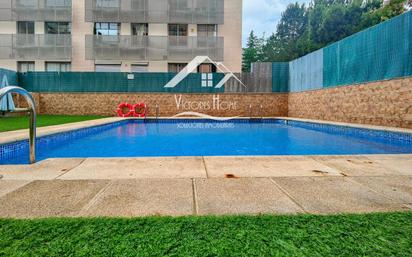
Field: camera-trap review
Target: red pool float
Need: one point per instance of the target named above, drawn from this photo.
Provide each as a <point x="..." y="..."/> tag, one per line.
<point x="139" y="110"/>
<point x="121" y="107"/>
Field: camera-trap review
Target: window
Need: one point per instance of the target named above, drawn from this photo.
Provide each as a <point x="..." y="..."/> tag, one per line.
<point x="107" y="67"/>
<point x="58" y="66"/>
<point x="178" y="30"/>
<point x="26" y="3"/>
<point x="25" y="66"/>
<point x="176" y="67"/>
<point x="57" y="27"/>
<point x="107" y="28"/>
<point x="207" y="30"/>
<point x="58" y="3"/>
<point x="25" y="27"/>
<point x="108" y="3"/>
<point x="139" y="5"/>
<point x="207" y="80"/>
<point x="140" y="67"/>
<point x="206" y="68"/>
<point x="178" y="4"/>
<point x="140" y="29"/>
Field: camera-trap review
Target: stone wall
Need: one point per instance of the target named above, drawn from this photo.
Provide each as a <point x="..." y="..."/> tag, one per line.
<point x="224" y="105"/>
<point x="386" y="103"/>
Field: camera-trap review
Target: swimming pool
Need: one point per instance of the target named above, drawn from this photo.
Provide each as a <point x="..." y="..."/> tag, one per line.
<point x="150" y="138"/>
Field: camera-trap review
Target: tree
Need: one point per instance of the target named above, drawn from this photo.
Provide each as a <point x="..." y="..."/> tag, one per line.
<point x="340" y="21"/>
<point x="271" y="50"/>
<point x="291" y="27"/>
<point x="376" y="16"/>
<point x="253" y="51"/>
<point x="302" y="29"/>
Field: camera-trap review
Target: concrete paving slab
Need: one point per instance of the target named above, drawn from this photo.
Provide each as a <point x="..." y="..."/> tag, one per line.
<point x="398" y="189"/>
<point x="49" y="198"/>
<point x="128" y="198"/>
<point x="136" y="168"/>
<point x="266" y="166"/>
<point x="44" y="170"/>
<point x="335" y="195"/>
<point x="356" y="165"/>
<point x="242" y="196"/>
<point x="399" y="163"/>
<point x="7" y="186"/>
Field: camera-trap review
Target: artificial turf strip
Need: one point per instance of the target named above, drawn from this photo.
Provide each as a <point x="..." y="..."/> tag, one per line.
<point x="386" y="234"/>
<point x="14" y="123"/>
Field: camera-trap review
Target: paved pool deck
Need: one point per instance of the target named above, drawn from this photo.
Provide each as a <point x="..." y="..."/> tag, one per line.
<point x="206" y="185"/>
<point x="130" y="187"/>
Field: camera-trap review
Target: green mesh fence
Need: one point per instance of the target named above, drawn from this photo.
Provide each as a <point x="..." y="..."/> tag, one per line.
<point x="10" y="75"/>
<point x="378" y="53"/>
<point x="114" y="82"/>
<point x="280" y="77"/>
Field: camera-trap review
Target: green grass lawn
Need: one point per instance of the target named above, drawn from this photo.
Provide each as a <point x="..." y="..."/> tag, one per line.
<point x="14" y="123"/>
<point x="387" y="234"/>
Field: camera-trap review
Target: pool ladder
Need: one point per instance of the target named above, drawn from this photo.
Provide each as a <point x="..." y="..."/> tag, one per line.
<point x="157" y="112"/>
<point x="260" y="114"/>
<point x="31" y="111"/>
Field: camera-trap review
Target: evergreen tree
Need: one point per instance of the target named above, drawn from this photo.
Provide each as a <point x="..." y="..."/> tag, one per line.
<point x="302" y="29"/>
<point x="252" y="52"/>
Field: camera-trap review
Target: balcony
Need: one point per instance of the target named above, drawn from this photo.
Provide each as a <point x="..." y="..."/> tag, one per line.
<point x="35" y="47"/>
<point x="36" y="10"/>
<point x="153" y="48"/>
<point x="159" y="11"/>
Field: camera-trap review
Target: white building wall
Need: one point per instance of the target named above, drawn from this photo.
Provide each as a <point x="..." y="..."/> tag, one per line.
<point x="231" y="30"/>
<point x="80" y="29"/>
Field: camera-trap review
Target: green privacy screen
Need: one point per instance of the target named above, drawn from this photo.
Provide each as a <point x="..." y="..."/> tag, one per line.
<point x="306" y="73"/>
<point x="378" y="53"/>
<point x="115" y="82"/>
<point x="280" y="77"/>
<point x="10" y="75"/>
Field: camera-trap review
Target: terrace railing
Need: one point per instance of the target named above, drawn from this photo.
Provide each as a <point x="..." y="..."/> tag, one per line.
<point x="153" y="48"/>
<point x="33" y="46"/>
<point x="159" y="11"/>
<point x="36" y="10"/>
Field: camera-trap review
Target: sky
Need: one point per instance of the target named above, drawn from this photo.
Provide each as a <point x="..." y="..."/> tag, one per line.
<point x="263" y="15"/>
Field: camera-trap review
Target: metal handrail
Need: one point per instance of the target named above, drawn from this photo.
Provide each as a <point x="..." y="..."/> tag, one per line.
<point x="157" y="112"/>
<point x="32" y="109"/>
<point x="261" y="112"/>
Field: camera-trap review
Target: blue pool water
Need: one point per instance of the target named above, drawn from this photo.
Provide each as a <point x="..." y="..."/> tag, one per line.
<point x="203" y="138"/>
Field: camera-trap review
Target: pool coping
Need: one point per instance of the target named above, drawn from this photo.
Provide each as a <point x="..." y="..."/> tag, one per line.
<point x="23" y="134"/>
<point x="19" y="135"/>
<point x="184" y="167"/>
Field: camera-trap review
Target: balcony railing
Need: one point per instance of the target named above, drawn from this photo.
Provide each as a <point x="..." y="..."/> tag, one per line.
<point x="36" y="10"/>
<point x="153" y="48"/>
<point x="156" y="11"/>
<point x="30" y="47"/>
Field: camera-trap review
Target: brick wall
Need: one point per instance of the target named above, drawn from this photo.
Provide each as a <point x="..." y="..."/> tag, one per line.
<point x="225" y="105"/>
<point x="387" y="103"/>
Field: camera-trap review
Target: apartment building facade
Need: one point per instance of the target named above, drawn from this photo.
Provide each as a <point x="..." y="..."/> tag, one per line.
<point x="119" y="35"/>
